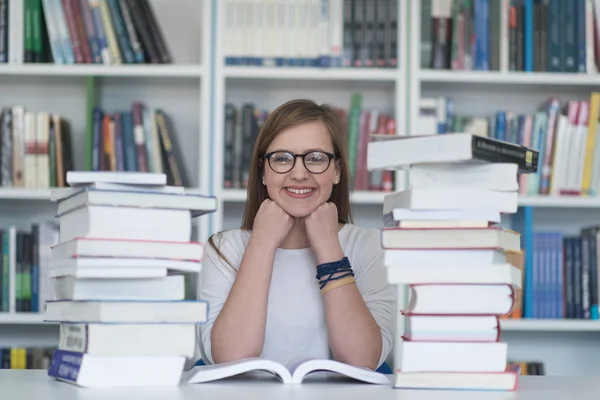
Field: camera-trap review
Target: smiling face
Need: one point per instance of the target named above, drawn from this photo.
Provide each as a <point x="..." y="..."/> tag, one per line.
<point x="299" y="192"/>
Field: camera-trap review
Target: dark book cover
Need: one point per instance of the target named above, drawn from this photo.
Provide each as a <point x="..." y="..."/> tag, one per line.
<point x="499" y="151"/>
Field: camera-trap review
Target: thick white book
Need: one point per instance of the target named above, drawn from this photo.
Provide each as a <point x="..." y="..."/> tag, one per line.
<point x="126" y="223"/>
<point x="294" y="373"/>
<point x="465" y="274"/>
<point x="76" y="178"/>
<point x="92" y="371"/>
<point x="129" y="339"/>
<point x="170" y="287"/>
<point x="501" y="176"/>
<point x="452" y="357"/>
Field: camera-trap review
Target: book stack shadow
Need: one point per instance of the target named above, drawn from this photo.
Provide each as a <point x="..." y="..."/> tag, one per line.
<point x="444" y="238"/>
<point x="119" y="273"/>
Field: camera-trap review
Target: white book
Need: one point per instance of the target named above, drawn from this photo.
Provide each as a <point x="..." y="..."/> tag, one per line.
<point x="405" y="217"/>
<point x="59" y="194"/>
<point x="460" y="299"/>
<point x="439" y="274"/>
<point x="129" y="339"/>
<point x="497" y="176"/>
<point x="452" y="199"/>
<point x="92" y="247"/>
<point x="104" y="273"/>
<point x="450" y="258"/>
<point x="86" y="262"/>
<point x="496" y="381"/>
<point x="170" y="287"/>
<point x="452" y="357"/>
<point x="197" y="203"/>
<point x="115" y="311"/>
<point x="451" y="328"/>
<point x="92" y="371"/>
<point x="76" y="178"/>
<point x="16" y="16"/>
<point x="294" y="373"/>
<point x="127" y="223"/>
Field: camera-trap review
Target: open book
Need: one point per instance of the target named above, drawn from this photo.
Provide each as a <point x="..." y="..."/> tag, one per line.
<point x="293" y="373"/>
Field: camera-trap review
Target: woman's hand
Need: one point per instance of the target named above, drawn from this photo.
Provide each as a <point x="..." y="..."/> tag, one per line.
<point x="271" y="225"/>
<point x="322" y="229"/>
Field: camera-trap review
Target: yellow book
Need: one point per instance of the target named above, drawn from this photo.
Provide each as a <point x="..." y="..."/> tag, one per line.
<point x="594" y="114"/>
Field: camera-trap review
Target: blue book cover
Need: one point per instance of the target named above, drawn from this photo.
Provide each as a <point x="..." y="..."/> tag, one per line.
<point x="65" y="365"/>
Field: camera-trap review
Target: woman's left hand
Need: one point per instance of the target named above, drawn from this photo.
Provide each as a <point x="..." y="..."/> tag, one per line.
<point x="322" y="229"/>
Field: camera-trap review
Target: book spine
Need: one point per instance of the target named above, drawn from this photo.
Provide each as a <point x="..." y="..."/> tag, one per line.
<point x="90" y="31"/>
<point x="136" y="46"/>
<point x="6" y="146"/>
<point x="490" y="150"/>
<point x="139" y="138"/>
<point x="65" y="365"/>
<point x="74" y="337"/>
<point x="4" y="31"/>
<point x="71" y="19"/>
<point x="99" y="29"/>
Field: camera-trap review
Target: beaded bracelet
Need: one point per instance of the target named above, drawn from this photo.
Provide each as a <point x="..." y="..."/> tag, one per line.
<point x="328" y="270"/>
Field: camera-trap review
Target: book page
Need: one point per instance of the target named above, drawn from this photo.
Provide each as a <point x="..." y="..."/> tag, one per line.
<point x="208" y="373"/>
<point x="299" y="369"/>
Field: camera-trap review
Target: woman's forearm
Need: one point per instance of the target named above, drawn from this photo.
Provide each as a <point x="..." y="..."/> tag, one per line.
<point x="239" y="330"/>
<point x="354" y="336"/>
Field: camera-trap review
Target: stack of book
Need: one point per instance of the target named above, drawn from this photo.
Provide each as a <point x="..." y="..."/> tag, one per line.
<point x="119" y="278"/>
<point x="444" y="239"/>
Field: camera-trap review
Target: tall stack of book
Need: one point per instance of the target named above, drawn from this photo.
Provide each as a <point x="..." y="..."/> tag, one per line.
<point x="118" y="274"/>
<point x="443" y="238"/>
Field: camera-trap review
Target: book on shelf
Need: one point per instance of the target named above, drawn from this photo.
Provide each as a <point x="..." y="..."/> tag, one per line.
<point x="243" y="123"/>
<point x="24" y="283"/>
<point x="315" y="33"/>
<point x="505" y="35"/>
<point x="120" y="276"/>
<point x="25" y="357"/>
<point x="139" y="139"/>
<point x="562" y="280"/>
<point x="37" y="148"/>
<point x="107" y="32"/>
<point x="564" y="132"/>
<point x="294" y="373"/>
<point x="460" y="264"/>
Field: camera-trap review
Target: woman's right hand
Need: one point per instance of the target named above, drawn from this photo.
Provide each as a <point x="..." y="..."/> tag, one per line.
<point x="271" y="225"/>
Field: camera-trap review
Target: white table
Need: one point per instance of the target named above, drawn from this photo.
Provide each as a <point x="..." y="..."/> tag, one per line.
<point x="36" y="385"/>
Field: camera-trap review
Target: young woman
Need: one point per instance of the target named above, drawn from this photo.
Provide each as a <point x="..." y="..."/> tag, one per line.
<point x="298" y="280"/>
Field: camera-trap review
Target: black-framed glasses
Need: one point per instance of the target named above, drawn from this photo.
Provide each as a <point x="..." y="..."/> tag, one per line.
<point x="315" y="162"/>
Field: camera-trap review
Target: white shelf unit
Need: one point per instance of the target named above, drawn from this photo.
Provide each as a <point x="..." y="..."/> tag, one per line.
<point x="194" y="90"/>
<point x="267" y="88"/>
<point x="181" y="89"/>
<point x="567" y="347"/>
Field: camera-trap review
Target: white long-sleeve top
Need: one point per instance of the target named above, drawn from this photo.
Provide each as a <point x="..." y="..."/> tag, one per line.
<point x="295" y="326"/>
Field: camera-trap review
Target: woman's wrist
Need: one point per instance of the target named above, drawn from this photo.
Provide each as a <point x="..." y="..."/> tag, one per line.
<point x="329" y="252"/>
<point x="264" y="246"/>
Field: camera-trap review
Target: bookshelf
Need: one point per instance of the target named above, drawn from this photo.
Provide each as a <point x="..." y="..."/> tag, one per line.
<point x="565" y="346"/>
<point x="195" y="88"/>
<point x="180" y="88"/>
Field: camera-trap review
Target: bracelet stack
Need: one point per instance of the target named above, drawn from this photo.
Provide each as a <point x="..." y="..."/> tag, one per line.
<point x="334" y="274"/>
